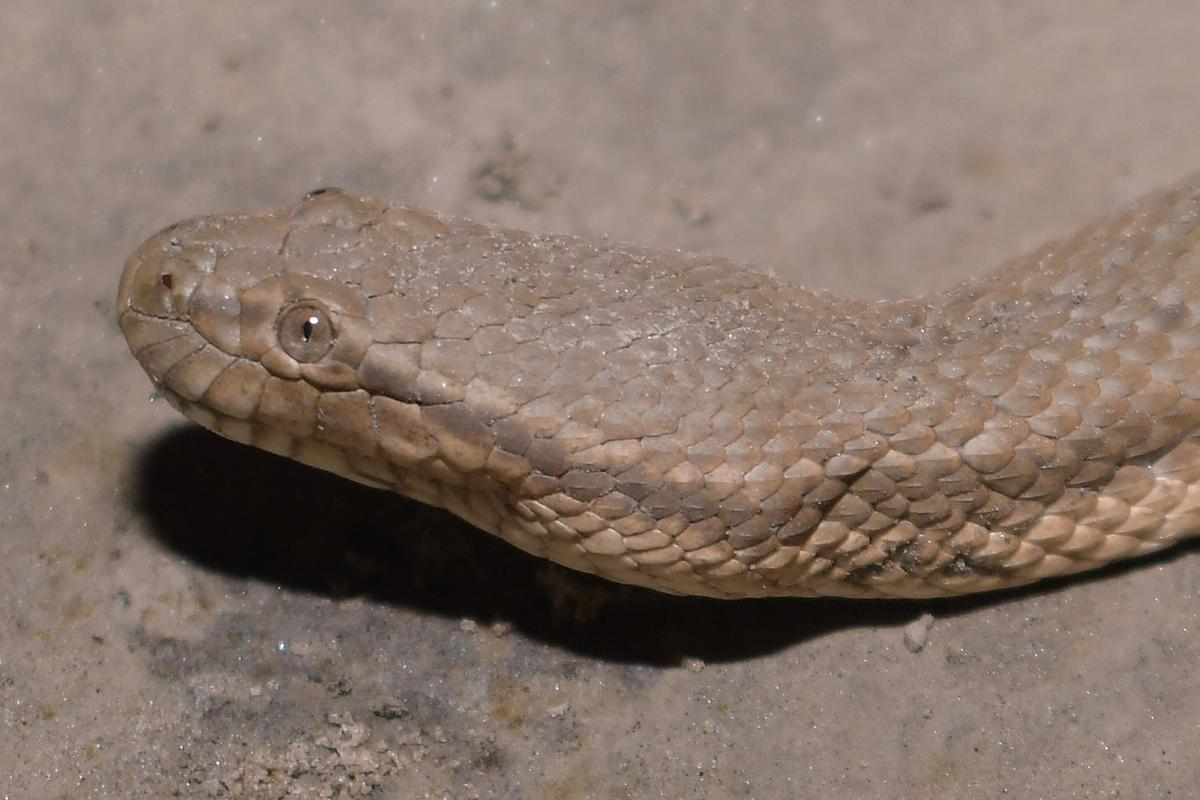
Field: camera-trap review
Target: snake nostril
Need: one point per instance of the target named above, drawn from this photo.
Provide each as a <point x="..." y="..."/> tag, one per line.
<point x="167" y="280"/>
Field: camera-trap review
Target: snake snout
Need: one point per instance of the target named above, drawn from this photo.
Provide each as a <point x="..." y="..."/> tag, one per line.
<point x="159" y="278"/>
<point x="158" y="287"/>
<point x="138" y="267"/>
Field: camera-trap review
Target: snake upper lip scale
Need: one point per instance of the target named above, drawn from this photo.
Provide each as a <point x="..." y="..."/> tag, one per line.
<point x="692" y="424"/>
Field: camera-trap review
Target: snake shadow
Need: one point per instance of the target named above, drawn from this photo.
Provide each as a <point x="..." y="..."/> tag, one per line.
<point x="245" y="513"/>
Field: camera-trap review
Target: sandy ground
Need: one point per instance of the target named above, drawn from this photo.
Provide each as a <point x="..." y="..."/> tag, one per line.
<point x="183" y="617"/>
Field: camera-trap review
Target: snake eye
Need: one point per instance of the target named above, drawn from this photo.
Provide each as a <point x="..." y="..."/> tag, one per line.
<point x="306" y="331"/>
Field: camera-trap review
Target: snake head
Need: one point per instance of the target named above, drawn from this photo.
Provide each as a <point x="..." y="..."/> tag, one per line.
<point x="259" y="326"/>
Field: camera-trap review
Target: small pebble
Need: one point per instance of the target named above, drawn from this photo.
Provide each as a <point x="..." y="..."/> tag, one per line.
<point x="916" y="633"/>
<point x="693" y="664"/>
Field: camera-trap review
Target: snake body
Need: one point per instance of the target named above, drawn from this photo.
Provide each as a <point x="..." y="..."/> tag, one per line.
<point x="692" y="424"/>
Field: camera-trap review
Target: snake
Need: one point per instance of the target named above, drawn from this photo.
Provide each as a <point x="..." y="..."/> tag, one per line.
<point x="692" y="424"/>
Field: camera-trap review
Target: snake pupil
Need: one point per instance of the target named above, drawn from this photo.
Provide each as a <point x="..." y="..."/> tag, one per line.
<point x="309" y="327"/>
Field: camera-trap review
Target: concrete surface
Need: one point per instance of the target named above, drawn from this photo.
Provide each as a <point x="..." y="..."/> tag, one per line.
<point x="182" y="617"/>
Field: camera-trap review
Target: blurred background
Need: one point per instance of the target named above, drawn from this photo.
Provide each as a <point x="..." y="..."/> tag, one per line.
<point x="180" y="616"/>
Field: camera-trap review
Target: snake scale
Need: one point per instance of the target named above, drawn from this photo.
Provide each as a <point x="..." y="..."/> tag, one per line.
<point x="692" y="424"/>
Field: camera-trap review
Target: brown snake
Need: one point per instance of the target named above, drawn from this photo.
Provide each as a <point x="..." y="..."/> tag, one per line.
<point x="691" y="424"/>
